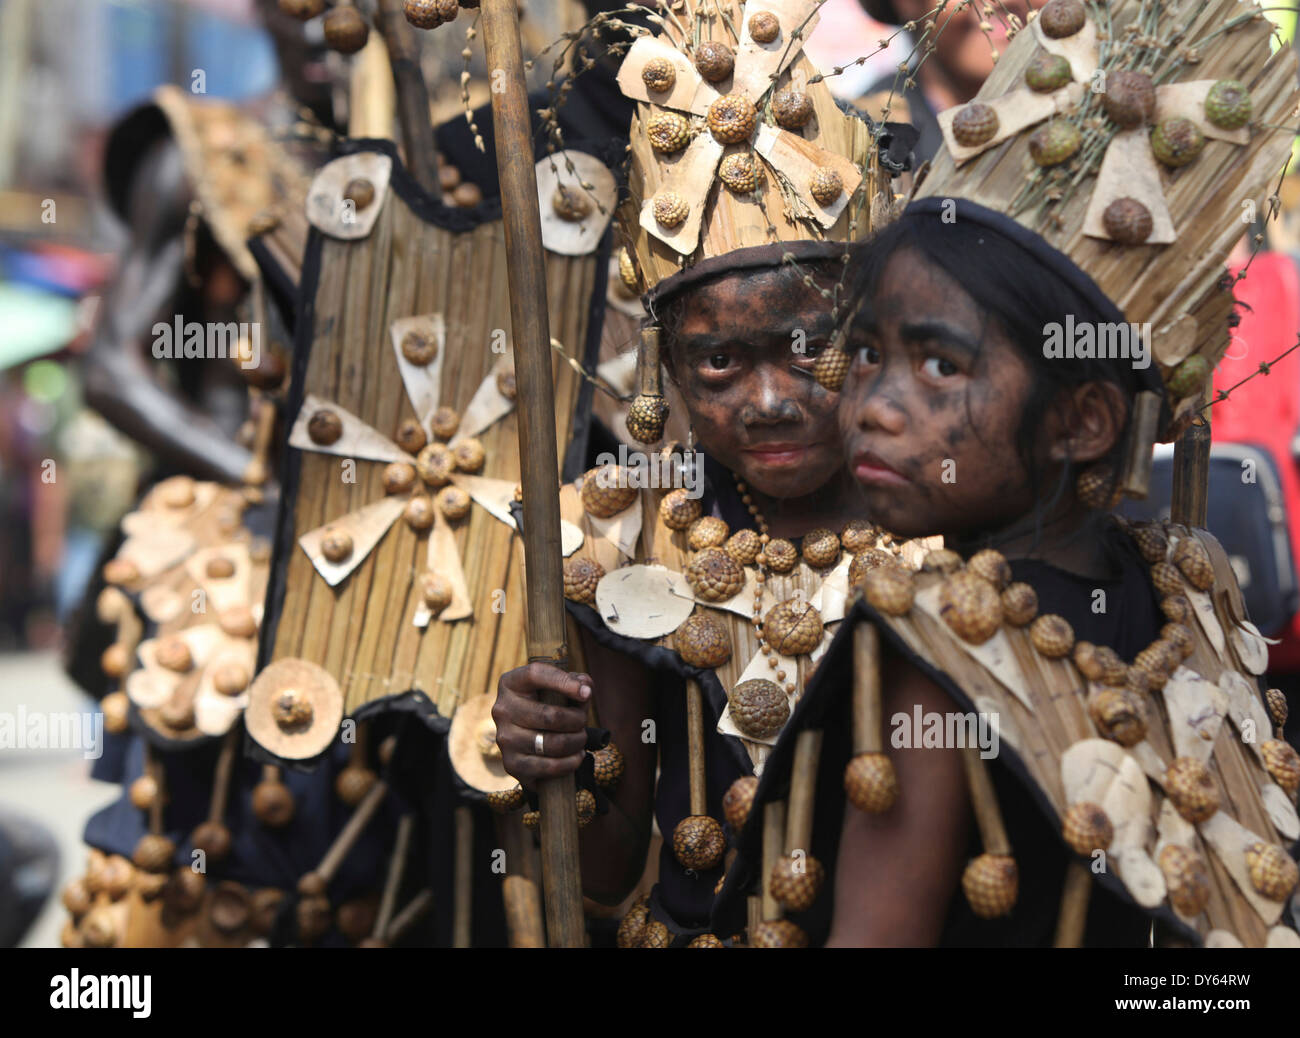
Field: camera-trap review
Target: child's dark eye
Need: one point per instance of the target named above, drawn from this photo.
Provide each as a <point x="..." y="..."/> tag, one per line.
<point x="938" y="367"/>
<point x="868" y="355"/>
<point x="719" y="362"/>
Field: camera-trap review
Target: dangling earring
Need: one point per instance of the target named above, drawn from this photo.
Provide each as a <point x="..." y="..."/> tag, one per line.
<point x="649" y="411"/>
<point x="1098" y="487"/>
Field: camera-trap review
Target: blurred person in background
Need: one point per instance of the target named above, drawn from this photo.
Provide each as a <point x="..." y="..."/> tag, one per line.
<point x="964" y="54"/>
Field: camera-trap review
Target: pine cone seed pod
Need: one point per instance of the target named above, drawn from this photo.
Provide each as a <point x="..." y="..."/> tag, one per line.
<point x="781" y="555"/>
<point x="759" y="707"/>
<point x="707" y="532"/>
<point x="1087" y="828"/>
<point x="435" y="464"/>
<point x="419" y="513"/>
<point x="658" y="75"/>
<point x="532" y="820"/>
<point x="864" y="562"/>
<point x="627" y="272"/>
<point x="1228" y="105"/>
<point x="444" y="423"/>
<point x="174" y="654"/>
<point x="570" y="204"/>
<point x="115" y="661"/>
<point x="1190" y="556"/>
<point x="858" y="535"/>
<point x="1061" y="18"/>
<point x="764" y="27"/>
<point x="732" y="119"/>
<point x="411" y="437"/>
<point x="1127" y="221"/>
<point x="353" y="783"/>
<point x="706" y="940"/>
<point x="714" y="575"/>
<point x="336" y="545"/>
<point x="436" y="592"/>
<point x="668" y="133"/>
<point x="678" y="509"/>
<point x="646" y="418"/>
<point x="1165" y="578"/>
<point x="346" y="29"/>
<point x="795" y="882"/>
<point x="581" y="575"/>
<point x="942" y="560"/>
<point x="100" y="929"/>
<point x="213" y="838"/>
<point x="991" y="883"/>
<point x="992" y="566"/>
<point x="702" y="641"/>
<point x="360" y="192"/>
<point x="1089" y="661"/>
<point x="738" y="800"/>
<point x="821" y="548"/>
<point x="507" y="386"/>
<point x="871" y="783"/>
<point x="469" y="455"/>
<point x="120" y="571"/>
<point x="890" y="589"/>
<point x="831" y="368"/>
<point x="1186" y="878"/>
<point x="1055" y="142"/>
<point x="116" y="709"/>
<point x="143" y="792"/>
<point x="655" y="935"/>
<point x="273" y="803"/>
<point x="605" y="491"/>
<point x="454" y="503"/>
<point x="1177" y="142"/>
<point x="1052" y="635"/>
<point x="1117" y="716"/>
<point x="1047" y="72"/>
<point x="423" y="14"/>
<point x="1130" y="97"/>
<point x="632" y="924"/>
<point x="1019" y="604"/>
<point x="154" y="853"/>
<point x="1283" y="763"/>
<point x="1277" y="706"/>
<point x="506" y="800"/>
<point x="975" y="124"/>
<point x="1180" y="638"/>
<point x="826" y="186"/>
<point x="778" y="933"/>
<point x="324" y="427"/>
<point x="609" y="766"/>
<point x="585" y="802"/>
<point x="1188" y="377"/>
<point x="1177" y="608"/>
<point x="739" y="172"/>
<point x="1273" y="872"/>
<point x="793" y="627"/>
<point x="714" y="61"/>
<point x="1151" y="543"/>
<point x="793" y="109"/>
<point x="743" y="546"/>
<point x="971" y="606"/>
<point x="698" y="842"/>
<point x="1190" y="787"/>
<point x="671" y="209"/>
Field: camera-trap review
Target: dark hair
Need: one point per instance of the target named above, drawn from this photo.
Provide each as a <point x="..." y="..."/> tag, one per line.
<point x="1021" y="296"/>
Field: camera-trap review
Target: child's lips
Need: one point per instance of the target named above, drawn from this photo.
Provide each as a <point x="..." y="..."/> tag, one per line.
<point x="778" y="455"/>
<point x="872" y="470"/>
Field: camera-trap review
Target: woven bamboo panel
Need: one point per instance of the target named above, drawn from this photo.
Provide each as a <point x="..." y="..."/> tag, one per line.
<point x="362" y="630"/>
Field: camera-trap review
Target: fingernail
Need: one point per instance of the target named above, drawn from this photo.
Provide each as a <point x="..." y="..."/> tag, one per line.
<point x="585" y="692"/>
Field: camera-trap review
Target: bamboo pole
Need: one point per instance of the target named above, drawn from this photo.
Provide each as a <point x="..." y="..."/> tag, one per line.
<point x="695" y="743"/>
<point x="1075" y="895"/>
<point x="539" y="460"/>
<point x="462" y="905"/>
<point x="984" y="800"/>
<point x="523" y="900"/>
<point x="773" y="837"/>
<point x="409" y="916"/>
<point x="221" y="776"/>
<point x="803" y="788"/>
<point x="351" y="831"/>
<point x="393" y="882"/>
<point x="1137" y="466"/>
<point x="867" y="724"/>
<point x="412" y="95"/>
<point x="1191" y="490"/>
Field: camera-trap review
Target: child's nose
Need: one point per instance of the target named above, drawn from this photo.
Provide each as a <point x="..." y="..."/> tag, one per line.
<point x="876" y="409"/>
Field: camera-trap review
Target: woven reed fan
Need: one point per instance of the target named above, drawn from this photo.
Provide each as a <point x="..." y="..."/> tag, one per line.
<point x="1132" y="137"/>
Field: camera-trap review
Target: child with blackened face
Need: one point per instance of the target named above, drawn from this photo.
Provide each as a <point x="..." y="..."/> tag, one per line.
<point x="954" y="419"/>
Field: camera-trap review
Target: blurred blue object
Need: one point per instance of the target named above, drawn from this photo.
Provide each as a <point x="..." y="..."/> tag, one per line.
<point x="33" y="322"/>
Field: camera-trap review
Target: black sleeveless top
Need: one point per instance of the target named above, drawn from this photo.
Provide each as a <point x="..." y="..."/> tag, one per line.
<point x="1127" y="619"/>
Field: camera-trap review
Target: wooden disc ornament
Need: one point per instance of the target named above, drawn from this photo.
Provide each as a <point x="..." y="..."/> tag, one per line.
<point x="294" y="709"/>
<point x="470" y="745"/>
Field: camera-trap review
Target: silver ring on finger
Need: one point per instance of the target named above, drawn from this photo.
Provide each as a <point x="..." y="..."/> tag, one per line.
<point x="539" y="745"/>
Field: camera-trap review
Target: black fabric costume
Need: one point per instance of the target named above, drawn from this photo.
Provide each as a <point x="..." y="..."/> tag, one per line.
<point x="1130" y="622"/>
